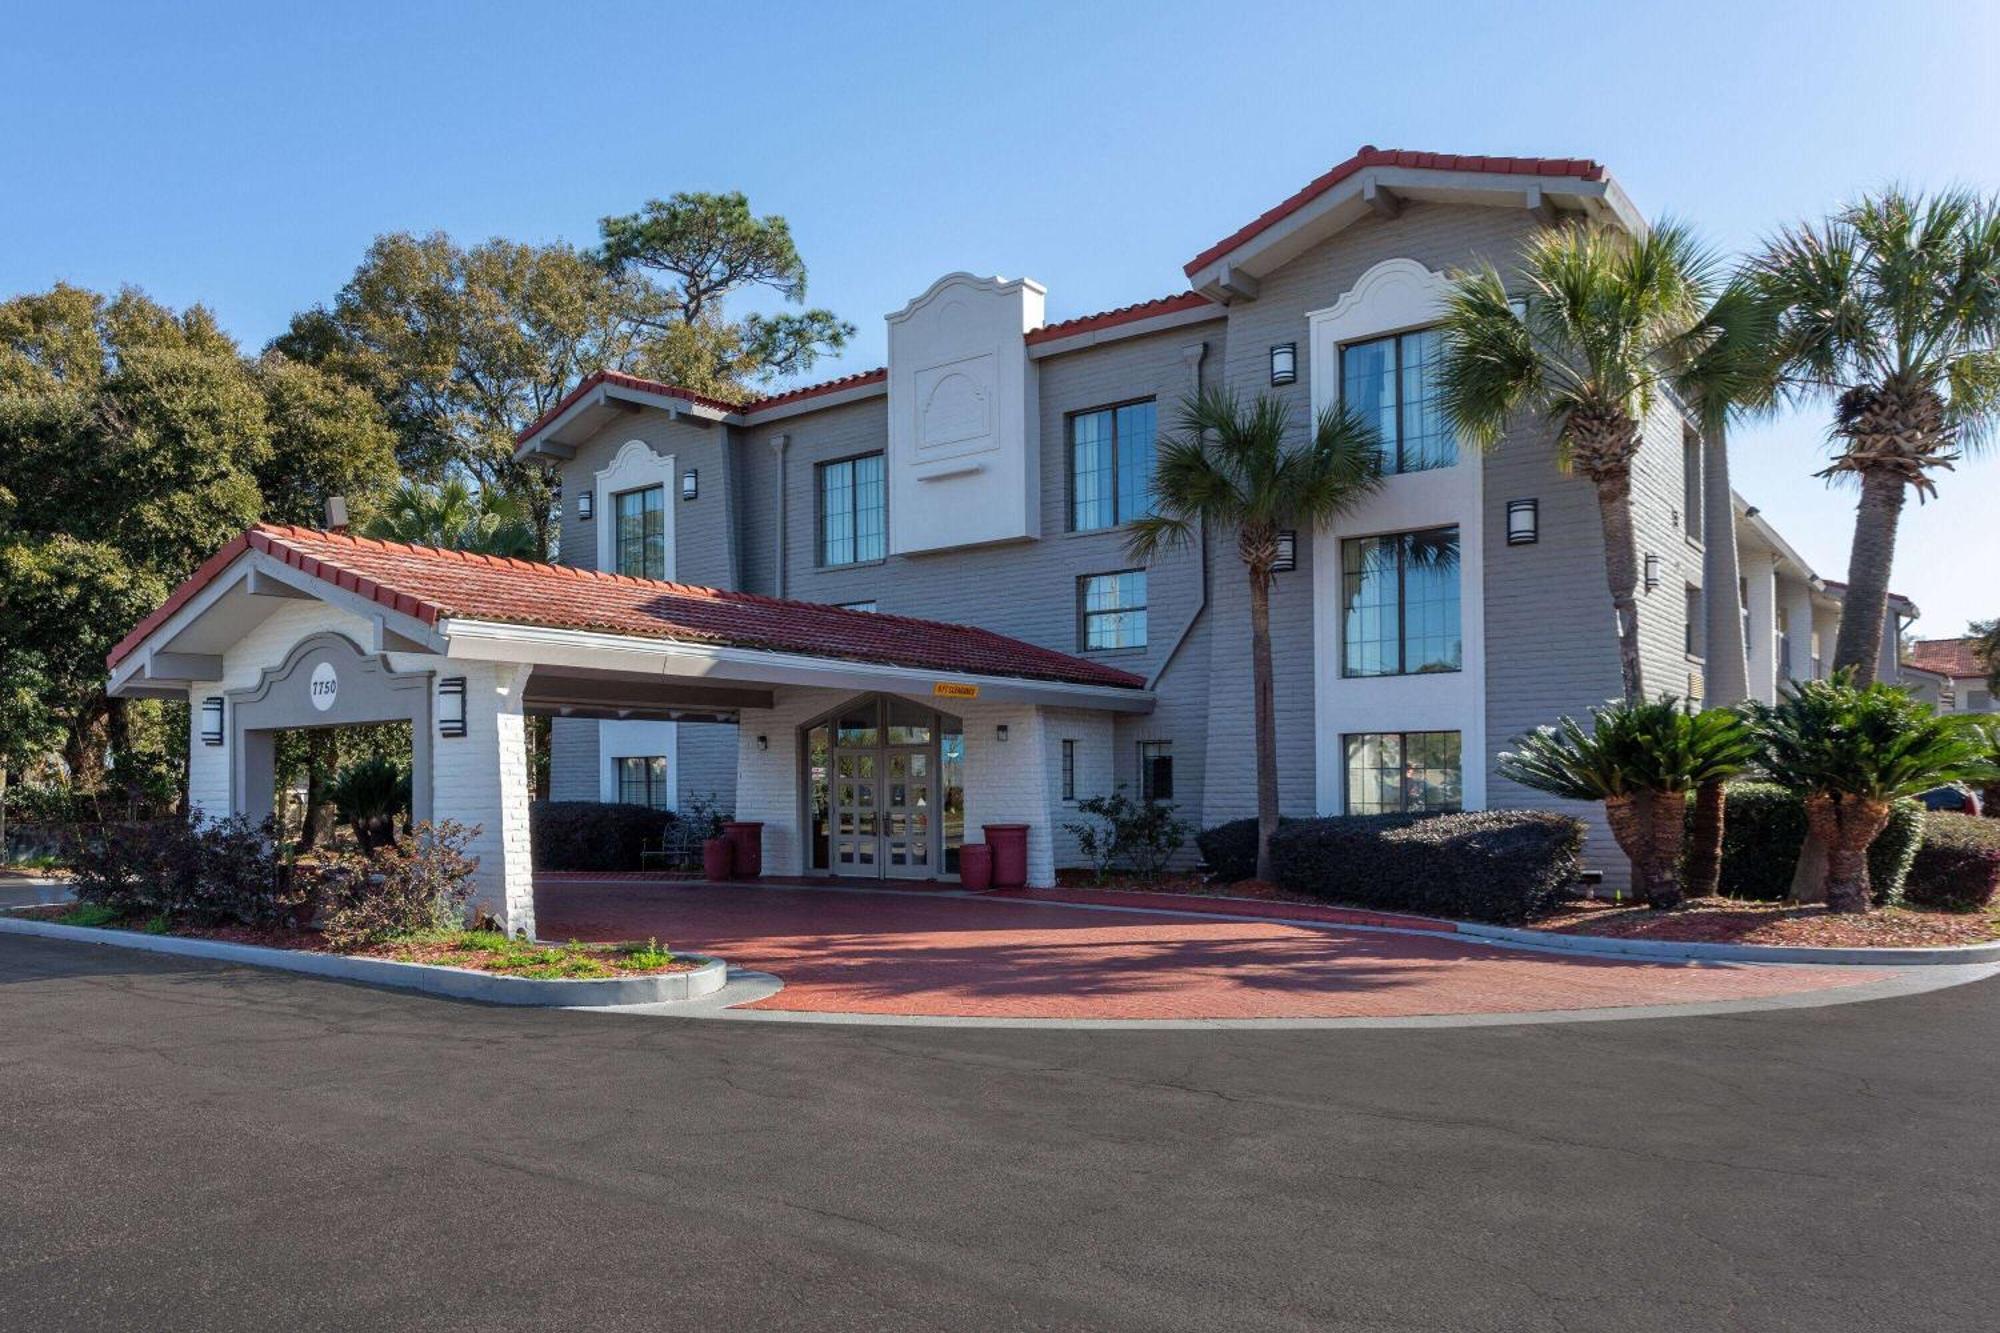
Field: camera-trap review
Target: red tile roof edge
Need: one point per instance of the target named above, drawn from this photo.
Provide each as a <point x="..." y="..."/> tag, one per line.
<point x="1947" y="657"/>
<point x="860" y="379"/>
<point x="272" y="539"/>
<point x="619" y="377"/>
<point x="1370" y="156"/>
<point x="1124" y="314"/>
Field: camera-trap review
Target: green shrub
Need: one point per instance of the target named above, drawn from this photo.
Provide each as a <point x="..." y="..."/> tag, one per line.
<point x="1764" y="825"/>
<point x="590" y="835"/>
<point x="422" y="881"/>
<point x="1504" y="866"/>
<point x="1123" y="834"/>
<point x="1957" y="869"/>
<point x="1230" y="850"/>
<point x="368" y="795"/>
<point x="191" y="871"/>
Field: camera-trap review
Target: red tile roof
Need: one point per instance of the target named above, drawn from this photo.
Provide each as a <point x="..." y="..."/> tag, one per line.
<point x="879" y="375"/>
<point x="1124" y="314"/>
<point x="432" y="585"/>
<point x="1947" y="657"/>
<point x="1371" y="156"/>
<point x="619" y="377"/>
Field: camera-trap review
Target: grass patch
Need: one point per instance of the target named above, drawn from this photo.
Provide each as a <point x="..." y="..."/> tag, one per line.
<point x="491" y="951"/>
<point x="95" y="915"/>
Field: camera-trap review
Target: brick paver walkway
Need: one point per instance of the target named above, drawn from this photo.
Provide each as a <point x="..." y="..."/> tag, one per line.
<point x="916" y="954"/>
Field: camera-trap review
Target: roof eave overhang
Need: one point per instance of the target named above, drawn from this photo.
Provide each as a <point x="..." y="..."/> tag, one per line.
<point x="1379" y="191"/>
<point x="496" y="641"/>
<point x="599" y="406"/>
<point x="161" y="666"/>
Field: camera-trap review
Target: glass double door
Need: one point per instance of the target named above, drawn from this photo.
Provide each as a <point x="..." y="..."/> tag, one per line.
<point x="884" y="811"/>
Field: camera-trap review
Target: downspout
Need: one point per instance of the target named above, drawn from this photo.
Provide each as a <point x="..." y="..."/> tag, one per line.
<point x="1191" y="356"/>
<point x="778" y="443"/>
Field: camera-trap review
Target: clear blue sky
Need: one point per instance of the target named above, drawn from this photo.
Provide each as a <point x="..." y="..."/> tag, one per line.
<point x="243" y="156"/>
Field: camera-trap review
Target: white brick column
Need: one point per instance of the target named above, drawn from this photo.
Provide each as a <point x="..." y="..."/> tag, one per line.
<point x="482" y="778"/>
<point x="1762" y="638"/>
<point x="1007" y="782"/>
<point x="1799" y="625"/>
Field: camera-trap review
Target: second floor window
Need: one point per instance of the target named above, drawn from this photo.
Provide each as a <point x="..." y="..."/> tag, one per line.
<point x="640" y="542"/>
<point x="1392" y="383"/>
<point x="1399" y="595"/>
<point x="1111" y="466"/>
<point x="853" y="511"/>
<point x="1112" y="610"/>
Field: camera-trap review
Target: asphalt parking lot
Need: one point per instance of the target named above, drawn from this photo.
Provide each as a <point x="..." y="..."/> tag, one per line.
<point x="190" y="1145"/>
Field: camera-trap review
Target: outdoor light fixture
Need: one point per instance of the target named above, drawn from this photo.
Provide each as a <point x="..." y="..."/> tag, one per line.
<point x="451" y="706"/>
<point x="584" y="506"/>
<point x="1000" y="732"/>
<point x="763" y="742"/>
<point x="1524" y="522"/>
<point x="1652" y="572"/>
<point x="690" y="484"/>
<point x="211" y="720"/>
<point x="1285" y="363"/>
<point x="1288" y="552"/>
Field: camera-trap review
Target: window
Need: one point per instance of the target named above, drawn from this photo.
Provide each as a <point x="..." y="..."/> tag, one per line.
<point x="1403" y="772"/>
<point x="643" y="781"/>
<point x="1392" y="383"/>
<point x="640" y="540"/>
<point x="1111" y="466"/>
<point x="855" y="606"/>
<point x="1113" y="610"/>
<point x="1400" y="592"/>
<point x="1697" y="626"/>
<point x="1691" y="482"/>
<point x="1978" y="701"/>
<point x="1069" y="770"/>
<point x="1156" y="770"/>
<point x="853" y="511"/>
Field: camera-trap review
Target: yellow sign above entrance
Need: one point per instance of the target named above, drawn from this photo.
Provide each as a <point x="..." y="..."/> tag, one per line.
<point x="951" y="689"/>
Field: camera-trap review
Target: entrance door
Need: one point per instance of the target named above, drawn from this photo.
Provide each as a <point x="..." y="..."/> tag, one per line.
<point x="876" y="790"/>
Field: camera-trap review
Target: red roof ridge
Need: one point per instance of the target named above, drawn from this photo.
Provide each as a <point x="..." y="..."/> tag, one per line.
<point x="853" y="381"/>
<point x="630" y="381"/>
<point x="1124" y="314"/>
<point x="1368" y="155"/>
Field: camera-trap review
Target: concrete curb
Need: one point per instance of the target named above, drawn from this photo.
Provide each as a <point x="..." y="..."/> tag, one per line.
<point x="1693" y="951"/>
<point x="456" y="983"/>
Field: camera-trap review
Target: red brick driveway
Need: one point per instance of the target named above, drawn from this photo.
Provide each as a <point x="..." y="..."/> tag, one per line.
<point x="884" y="953"/>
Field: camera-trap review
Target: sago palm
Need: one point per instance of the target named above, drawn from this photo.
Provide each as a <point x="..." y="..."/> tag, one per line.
<point x="1891" y="310"/>
<point x="1640" y="760"/>
<point x="1587" y="339"/>
<point x="1850" y="750"/>
<point x="1235" y="466"/>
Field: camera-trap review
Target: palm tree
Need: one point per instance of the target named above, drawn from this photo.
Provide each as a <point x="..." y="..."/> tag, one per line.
<point x="455" y="517"/>
<point x="1986" y="648"/>
<point x="1603" y="318"/>
<point x="1851" y="749"/>
<point x="1891" y="309"/>
<point x="1723" y="372"/>
<point x="1233" y="466"/>
<point x="1641" y="760"/>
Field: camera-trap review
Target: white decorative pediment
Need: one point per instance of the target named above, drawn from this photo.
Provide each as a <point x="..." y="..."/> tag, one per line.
<point x="635" y="467"/>
<point x="1393" y="295"/>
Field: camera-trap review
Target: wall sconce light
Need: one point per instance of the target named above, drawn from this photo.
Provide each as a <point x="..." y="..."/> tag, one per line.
<point x="451" y="706"/>
<point x="584" y="506"/>
<point x="1000" y="732"/>
<point x="1652" y="572"/>
<point x="1285" y="363"/>
<point x="763" y="742"/>
<point x="1288" y="552"/>
<point x="690" y="484"/>
<point x="211" y="720"/>
<point x="1524" y="522"/>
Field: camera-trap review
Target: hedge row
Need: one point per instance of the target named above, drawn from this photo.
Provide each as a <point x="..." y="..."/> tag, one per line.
<point x="590" y="835"/>
<point x="1503" y="866"/>
<point x="1230" y="850"/>
<point x="1958" y="867"/>
<point x="1764" y="826"/>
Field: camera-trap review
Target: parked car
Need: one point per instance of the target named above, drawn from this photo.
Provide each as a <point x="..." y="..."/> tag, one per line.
<point x="1953" y="798"/>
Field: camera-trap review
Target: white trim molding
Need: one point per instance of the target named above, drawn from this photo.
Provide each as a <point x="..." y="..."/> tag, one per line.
<point x="1395" y="296"/>
<point x="635" y="467"/>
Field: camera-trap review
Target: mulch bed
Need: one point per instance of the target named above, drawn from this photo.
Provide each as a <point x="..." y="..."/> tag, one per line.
<point x="1735" y="921"/>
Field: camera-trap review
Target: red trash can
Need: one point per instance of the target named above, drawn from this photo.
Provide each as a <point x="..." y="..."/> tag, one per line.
<point x="975" y="867"/>
<point x="748" y="838"/>
<point x="1010" y="854"/>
